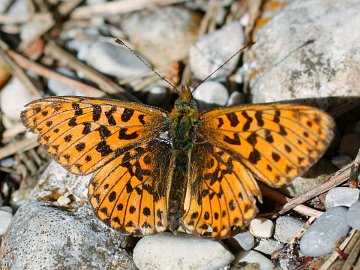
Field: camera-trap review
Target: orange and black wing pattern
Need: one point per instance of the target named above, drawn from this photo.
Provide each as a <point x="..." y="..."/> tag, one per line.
<point x="272" y="142"/>
<point x="122" y="141"/>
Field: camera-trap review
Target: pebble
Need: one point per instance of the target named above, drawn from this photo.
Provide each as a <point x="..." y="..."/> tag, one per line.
<point x="13" y="97"/>
<point x="7" y="162"/>
<point x="212" y="50"/>
<point x="286" y="228"/>
<point x="156" y="95"/>
<point x="245" y="239"/>
<point x="236" y="98"/>
<point x="62" y="200"/>
<point x="61" y="89"/>
<point x="168" y="251"/>
<point x="321" y="238"/>
<point x="18" y="197"/>
<point x="341" y="196"/>
<point x="42" y="236"/>
<point x="211" y="94"/>
<point x="349" y="145"/>
<point x="353" y="216"/>
<point x="173" y="30"/>
<point x="255" y="257"/>
<point x="5" y="219"/>
<point x="283" y="66"/>
<point x="262" y="227"/>
<point x="111" y="59"/>
<point x="341" y="161"/>
<point x="268" y="246"/>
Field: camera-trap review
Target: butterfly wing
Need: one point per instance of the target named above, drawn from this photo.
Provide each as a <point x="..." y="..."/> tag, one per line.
<point x="220" y="195"/>
<point x="123" y="142"/>
<point x="83" y="134"/>
<point x="276" y="142"/>
<point x="273" y="142"/>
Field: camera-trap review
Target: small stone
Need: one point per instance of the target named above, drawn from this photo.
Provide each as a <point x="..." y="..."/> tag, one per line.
<point x="168" y="251"/>
<point x="212" y="50"/>
<point x="61" y="89"/>
<point x="245" y="239"/>
<point x="268" y="246"/>
<point x="320" y="239"/>
<point x="262" y="227"/>
<point x="350" y="145"/>
<point x="110" y="59"/>
<point x="341" y="196"/>
<point x="18" y="197"/>
<point x="5" y="219"/>
<point x="13" y="97"/>
<point x="255" y="257"/>
<point x="353" y="216"/>
<point x="156" y="95"/>
<point x="236" y="98"/>
<point x="211" y="94"/>
<point x="173" y="30"/>
<point x="287" y="227"/>
<point x="341" y="161"/>
<point x="62" y="200"/>
<point x="7" y="162"/>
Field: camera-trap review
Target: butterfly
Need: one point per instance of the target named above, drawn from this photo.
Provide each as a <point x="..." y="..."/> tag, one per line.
<point x="181" y="170"/>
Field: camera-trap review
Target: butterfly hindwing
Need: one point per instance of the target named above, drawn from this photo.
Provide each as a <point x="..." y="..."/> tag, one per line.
<point x="276" y="142"/>
<point x="83" y="134"/>
<point x="221" y="195"/>
<point x="129" y="192"/>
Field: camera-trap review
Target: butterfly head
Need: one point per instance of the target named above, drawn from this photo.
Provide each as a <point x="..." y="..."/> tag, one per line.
<point x="186" y="101"/>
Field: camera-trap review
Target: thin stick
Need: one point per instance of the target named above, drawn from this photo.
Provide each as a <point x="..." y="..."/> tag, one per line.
<point x="47" y="73"/>
<point x="18" y="147"/>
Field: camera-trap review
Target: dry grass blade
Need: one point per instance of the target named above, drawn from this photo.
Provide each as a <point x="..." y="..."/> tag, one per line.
<point x="116" y="7"/>
<point x="104" y="83"/>
<point x="18" y="147"/>
<point x="47" y="73"/>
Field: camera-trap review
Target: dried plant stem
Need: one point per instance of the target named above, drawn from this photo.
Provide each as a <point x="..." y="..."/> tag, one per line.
<point x="18" y="147"/>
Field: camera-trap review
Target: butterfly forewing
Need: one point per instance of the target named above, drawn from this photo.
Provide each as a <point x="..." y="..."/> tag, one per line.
<point x="83" y="134"/>
<point x="276" y="142"/>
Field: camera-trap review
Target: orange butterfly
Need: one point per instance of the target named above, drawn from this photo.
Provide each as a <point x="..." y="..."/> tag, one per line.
<point x="155" y="170"/>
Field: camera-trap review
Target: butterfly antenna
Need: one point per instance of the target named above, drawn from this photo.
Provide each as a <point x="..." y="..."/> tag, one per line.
<point x="119" y="41"/>
<point x="249" y="44"/>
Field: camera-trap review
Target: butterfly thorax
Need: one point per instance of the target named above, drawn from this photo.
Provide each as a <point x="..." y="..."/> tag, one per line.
<point x="185" y="117"/>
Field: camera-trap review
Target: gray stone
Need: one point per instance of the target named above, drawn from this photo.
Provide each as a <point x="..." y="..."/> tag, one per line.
<point x="286" y="228"/>
<point x="212" y="50"/>
<point x="168" y="251"/>
<point x="211" y="94"/>
<point x="61" y="89"/>
<point x="300" y="52"/>
<point x="255" y="257"/>
<point x="245" y="239"/>
<point x="236" y="98"/>
<point x="320" y="239"/>
<point x="172" y="31"/>
<point x="341" y="161"/>
<point x="111" y="59"/>
<point x="268" y="246"/>
<point x="156" y="95"/>
<point x="353" y="216"/>
<point x="341" y="196"/>
<point x="5" y="218"/>
<point x="43" y="235"/>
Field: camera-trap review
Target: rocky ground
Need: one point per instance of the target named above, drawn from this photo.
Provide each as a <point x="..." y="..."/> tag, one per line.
<point x="307" y="50"/>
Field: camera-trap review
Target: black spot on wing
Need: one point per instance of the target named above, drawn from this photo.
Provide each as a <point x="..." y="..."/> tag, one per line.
<point x="127" y="114"/>
<point x="234" y="121"/>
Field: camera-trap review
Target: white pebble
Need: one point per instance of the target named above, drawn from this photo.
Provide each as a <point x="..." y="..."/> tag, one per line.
<point x="341" y="196"/>
<point x="62" y="200"/>
<point x="211" y="94"/>
<point x="255" y="257"/>
<point x="286" y="228"/>
<point x="262" y="227"/>
<point x="61" y="89"/>
<point x="168" y="251"/>
<point x="5" y="219"/>
<point x="13" y="97"/>
<point x="235" y="98"/>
